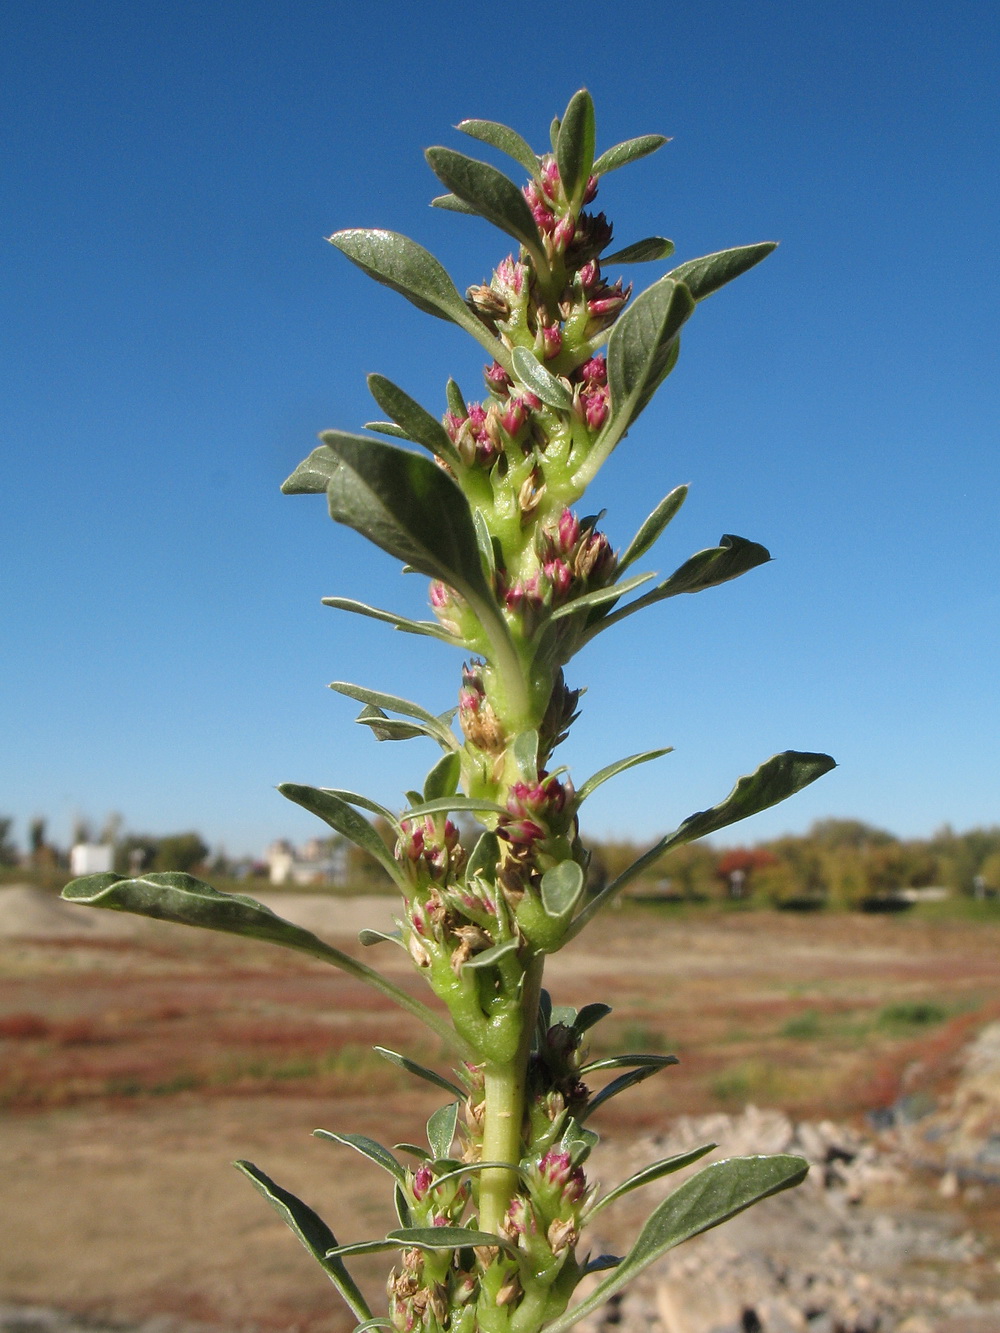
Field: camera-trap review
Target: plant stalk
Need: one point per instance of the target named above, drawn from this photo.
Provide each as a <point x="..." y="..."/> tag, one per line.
<point x="503" y="1116"/>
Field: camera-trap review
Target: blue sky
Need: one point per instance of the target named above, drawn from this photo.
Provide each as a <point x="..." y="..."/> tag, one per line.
<point x="177" y="331"/>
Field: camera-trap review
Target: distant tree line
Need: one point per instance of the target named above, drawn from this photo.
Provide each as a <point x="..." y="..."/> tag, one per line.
<point x="838" y="863"/>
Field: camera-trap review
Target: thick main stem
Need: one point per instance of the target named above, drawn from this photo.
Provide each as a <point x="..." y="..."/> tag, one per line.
<point x="503" y="1116"/>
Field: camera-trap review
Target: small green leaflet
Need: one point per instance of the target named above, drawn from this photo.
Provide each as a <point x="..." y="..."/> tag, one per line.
<point x="344" y="819"/>
<point x="575" y="146"/>
<point x="415" y="420"/>
<point x="652" y="528"/>
<point x="492" y="194"/>
<point x="620" y="766"/>
<point x="561" y="888"/>
<point x="441" y="1129"/>
<point x="534" y="376"/>
<point x="655" y="1171"/>
<point x="430" y="628"/>
<point x="420" y="1071"/>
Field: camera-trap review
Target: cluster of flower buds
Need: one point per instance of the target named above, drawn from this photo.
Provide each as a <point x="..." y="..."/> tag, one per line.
<point x="537" y="811"/>
<point x="476" y="715"/>
<point x="430" y="849"/>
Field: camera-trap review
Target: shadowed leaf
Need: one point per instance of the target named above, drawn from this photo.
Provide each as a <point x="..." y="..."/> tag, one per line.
<point x="492" y="194"/>
<point x="504" y="138"/>
<point x="641" y="252"/>
<point x="629" y="151"/>
<point x="706" y="275"/>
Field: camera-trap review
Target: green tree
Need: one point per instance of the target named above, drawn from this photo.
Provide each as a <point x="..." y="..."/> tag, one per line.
<point x="180" y="851"/>
<point x="8" y="850"/>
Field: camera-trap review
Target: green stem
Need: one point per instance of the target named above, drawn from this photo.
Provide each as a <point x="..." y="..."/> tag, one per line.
<point x="503" y="1116"/>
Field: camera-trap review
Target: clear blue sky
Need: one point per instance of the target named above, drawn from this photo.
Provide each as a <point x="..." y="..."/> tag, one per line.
<point x="177" y="331"/>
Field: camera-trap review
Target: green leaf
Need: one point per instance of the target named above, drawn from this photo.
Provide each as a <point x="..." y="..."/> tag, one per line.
<point x="629" y="151"/>
<point x="443" y="778"/>
<point x="777" y="778"/>
<point x="172" y="896"/>
<point x="631" y="1060"/>
<point x="368" y="937"/>
<point x="364" y="802"/>
<point x="655" y="1171"/>
<point x="575" y="146"/>
<point x="406" y="505"/>
<point x="625" y="1081"/>
<point x="446" y="1238"/>
<point x="420" y="1071"/>
<point x="599" y="1264"/>
<point x="484" y="858"/>
<point x="712" y="1196"/>
<point x="525" y="750"/>
<point x="339" y="815"/>
<point x="533" y="375"/>
<point x="415" y="420"/>
<point x="578" y="1141"/>
<point x="367" y="1148"/>
<point x="452" y="204"/>
<point x="456" y="399"/>
<point x="589" y="1015"/>
<point x="402" y="1207"/>
<point x="407" y="268"/>
<point x="386" y="728"/>
<point x="641" y="252"/>
<point x="312" y="1231"/>
<point x="446" y="804"/>
<point x="706" y="275"/>
<point x="600" y="595"/>
<point x="441" y="1128"/>
<point x="387" y="428"/>
<point x="394" y="703"/>
<point x="620" y="766"/>
<point x="313" y="474"/>
<point x="470" y="1168"/>
<point x="705" y="569"/>
<point x="430" y="628"/>
<point x="504" y="138"/>
<point x="652" y="528"/>
<point x="492" y="955"/>
<point x="640" y="354"/>
<point x="378" y="1321"/>
<point x="554" y="132"/>
<point x="492" y="194"/>
<point x="561" y="888"/>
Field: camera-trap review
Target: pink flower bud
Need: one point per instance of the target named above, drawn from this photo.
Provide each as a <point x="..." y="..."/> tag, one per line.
<point x="530" y="400"/>
<point x="595" y="406"/>
<point x="497" y="377"/>
<point x="595" y="370"/>
<point x="569" y="530"/>
<point x="590" y="192"/>
<point x="560" y="577"/>
<point x="563" y="233"/>
<point x="590" y="274"/>
<point x="514" y="416"/>
<point x="422" y="1182"/>
<point x="520" y="832"/>
<point x="439" y="595"/>
<point x="552" y="340"/>
<point x="510" y="275"/>
<point x="550" y="178"/>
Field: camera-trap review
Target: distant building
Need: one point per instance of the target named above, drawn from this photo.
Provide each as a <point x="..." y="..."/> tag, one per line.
<point x="315" y="863"/>
<point x="91" y="858"/>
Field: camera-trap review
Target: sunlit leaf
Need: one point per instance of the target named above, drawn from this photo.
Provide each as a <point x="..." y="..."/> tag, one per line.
<point x="441" y="1128"/>
<point x="341" y="817"/>
<point x="619" y="766"/>
<point x="655" y="1171"/>
<point x="443" y="778"/>
<point x="452" y="204"/>
<point x="392" y="703"/>
<point x="492" y="194"/>
<point x="313" y="474"/>
<point x="504" y="138"/>
<point x="561" y="888"/>
<point x="534" y="376"/>
<point x="367" y="1148"/>
<point x="173" y="896"/>
<point x="385" y="728"/>
<point x="623" y="1082"/>
<point x="430" y="628"/>
<point x="712" y="1196"/>
<point x="491" y="956"/>
<point x="629" y="151"/>
<point x="415" y="420"/>
<point x="777" y="778"/>
<point x="418" y="1070"/>
<point x="652" y="528"/>
<point x="641" y="252"/>
<point x="707" y="274"/>
<point x="601" y="595"/>
<point x="575" y="145"/>
<point x="312" y="1231"/>
<point x="409" y="269"/>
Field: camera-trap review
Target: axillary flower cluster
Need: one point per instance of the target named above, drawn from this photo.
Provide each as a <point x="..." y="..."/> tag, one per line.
<point x="491" y="1212"/>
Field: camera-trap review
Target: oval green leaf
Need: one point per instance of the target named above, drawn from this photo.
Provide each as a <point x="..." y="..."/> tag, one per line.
<point x="629" y="151"/>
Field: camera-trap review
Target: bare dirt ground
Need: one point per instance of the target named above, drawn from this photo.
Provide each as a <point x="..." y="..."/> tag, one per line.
<point x="137" y="1060"/>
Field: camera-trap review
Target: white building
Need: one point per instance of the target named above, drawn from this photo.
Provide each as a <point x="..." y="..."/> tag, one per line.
<point x="91" y="858"/>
